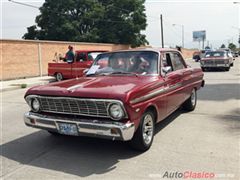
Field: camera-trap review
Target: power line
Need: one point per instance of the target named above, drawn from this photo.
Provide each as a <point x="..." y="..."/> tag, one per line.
<point x="24" y="4"/>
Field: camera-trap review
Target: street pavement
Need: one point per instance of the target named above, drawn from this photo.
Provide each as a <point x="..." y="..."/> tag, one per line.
<point x="203" y="141"/>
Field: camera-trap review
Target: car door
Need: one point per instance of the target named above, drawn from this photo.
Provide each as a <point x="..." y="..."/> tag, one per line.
<point x="80" y="64"/>
<point x="174" y="81"/>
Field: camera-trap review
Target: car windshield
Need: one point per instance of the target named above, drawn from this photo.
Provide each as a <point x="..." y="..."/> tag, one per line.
<point x="215" y="54"/>
<point x="126" y="62"/>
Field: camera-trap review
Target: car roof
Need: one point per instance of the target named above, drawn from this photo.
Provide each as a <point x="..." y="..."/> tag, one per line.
<point x="146" y="49"/>
<point x="80" y="51"/>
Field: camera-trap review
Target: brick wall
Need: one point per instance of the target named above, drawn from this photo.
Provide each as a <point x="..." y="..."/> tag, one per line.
<point x="24" y="58"/>
<point x="188" y="53"/>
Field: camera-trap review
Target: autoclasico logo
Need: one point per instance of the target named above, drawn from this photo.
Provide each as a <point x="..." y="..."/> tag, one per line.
<point x="189" y="175"/>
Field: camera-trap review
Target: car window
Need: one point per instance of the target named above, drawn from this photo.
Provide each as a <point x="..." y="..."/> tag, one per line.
<point x="93" y="55"/>
<point x="166" y="60"/>
<point x="81" y="57"/>
<point x="177" y="61"/>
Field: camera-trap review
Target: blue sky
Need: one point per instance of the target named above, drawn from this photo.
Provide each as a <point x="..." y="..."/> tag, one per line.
<point x="220" y="19"/>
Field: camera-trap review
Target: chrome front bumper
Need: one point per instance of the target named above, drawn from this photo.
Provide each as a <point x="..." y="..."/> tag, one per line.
<point x="215" y="65"/>
<point x="86" y="127"/>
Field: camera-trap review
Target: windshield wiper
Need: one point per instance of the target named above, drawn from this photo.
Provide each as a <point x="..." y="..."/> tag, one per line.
<point x="88" y="75"/>
<point x="122" y="72"/>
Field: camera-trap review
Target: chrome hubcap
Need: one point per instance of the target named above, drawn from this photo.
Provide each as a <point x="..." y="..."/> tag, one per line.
<point x="193" y="97"/>
<point x="59" y="77"/>
<point x="147" y="129"/>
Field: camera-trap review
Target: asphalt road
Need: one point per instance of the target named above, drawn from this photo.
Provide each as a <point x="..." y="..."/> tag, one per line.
<point x="206" y="140"/>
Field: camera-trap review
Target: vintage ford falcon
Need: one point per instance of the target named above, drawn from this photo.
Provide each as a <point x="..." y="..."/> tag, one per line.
<point x="220" y="59"/>
<point x="122" y="96"/>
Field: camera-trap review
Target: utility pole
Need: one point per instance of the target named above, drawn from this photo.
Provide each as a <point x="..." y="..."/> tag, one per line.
<point x="161" y="22"/>
<point x="183" y="36"/>
<point x="203" y="43"/>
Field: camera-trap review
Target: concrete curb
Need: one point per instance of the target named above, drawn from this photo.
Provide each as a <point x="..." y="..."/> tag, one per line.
<point x="10" y="88"/>
<point x="16" y="84"/>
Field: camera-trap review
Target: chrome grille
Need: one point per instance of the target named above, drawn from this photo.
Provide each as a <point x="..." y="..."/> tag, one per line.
<point x="77" y="106"/>
<point x="214" y="62"/>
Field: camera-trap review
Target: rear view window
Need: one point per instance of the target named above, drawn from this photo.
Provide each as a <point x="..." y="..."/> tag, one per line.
<point x="215" y="54"/>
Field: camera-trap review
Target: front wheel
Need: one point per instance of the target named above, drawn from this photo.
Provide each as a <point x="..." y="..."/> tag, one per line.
<point x="143" y="137"/>
<point x="227" y="68"/>
<point x="191" y="102"/>
<point x="54" y="133"/>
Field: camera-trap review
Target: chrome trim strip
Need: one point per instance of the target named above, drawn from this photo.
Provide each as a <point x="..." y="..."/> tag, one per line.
<point x="66" y="68"/>
<point x="111" y="101"/>
<point x="125" y="131"/>
<point x="74" y="87"/>
<point x="155" y="93"/>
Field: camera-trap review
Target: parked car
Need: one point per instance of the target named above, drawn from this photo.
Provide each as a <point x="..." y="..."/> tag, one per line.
<point x="122" y="96"/>
<point x="220" y="59"/>
<point x="64" y="70"/>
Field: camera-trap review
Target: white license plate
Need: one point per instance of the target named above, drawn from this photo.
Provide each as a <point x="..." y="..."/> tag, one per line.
<point x="68" y="129"/>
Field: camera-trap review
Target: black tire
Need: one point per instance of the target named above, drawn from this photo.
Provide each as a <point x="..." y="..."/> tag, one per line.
<point x="54" y="133"/>
<point x="231" y="65"/>
<point x="203" y="69"/>
<point x="191" y="102"/>
<point x="138" y="141"/>
<point x="227" y="68"/>
<point x="59" y="76"/>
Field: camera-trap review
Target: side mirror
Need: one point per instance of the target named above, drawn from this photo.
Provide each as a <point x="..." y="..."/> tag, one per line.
<point x="166" y="69"/>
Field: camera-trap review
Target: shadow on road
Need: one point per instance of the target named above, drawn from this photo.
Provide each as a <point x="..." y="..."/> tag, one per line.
<point x="232" y="122"/>
<point x="220" y="92"/>
<point x="81" y="156"/>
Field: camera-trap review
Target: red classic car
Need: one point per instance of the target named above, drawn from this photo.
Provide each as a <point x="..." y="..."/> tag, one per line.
<point x="122" y="96"/>
<point x="83" y="60"/>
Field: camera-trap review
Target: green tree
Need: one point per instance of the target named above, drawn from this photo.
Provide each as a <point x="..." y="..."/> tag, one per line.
<point x="223" y="46"/>
<point x="112" y="21"/>
<point x="232" y="46"/>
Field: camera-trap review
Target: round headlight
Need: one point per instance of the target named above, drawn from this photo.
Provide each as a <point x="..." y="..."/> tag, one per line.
<point x="35" y="105"/>
<point x="116" y="112"/>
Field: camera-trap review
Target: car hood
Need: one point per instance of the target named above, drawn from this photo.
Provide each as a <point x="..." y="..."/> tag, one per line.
<point x="109" y="87"/>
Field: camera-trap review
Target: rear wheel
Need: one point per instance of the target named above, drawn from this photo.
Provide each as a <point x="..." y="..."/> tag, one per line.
<point x="191" y="102"/>
<point x="143" y="137"/>
<point x="59" y="76"/>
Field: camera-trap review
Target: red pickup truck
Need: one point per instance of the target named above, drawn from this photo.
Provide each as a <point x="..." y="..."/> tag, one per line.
<point x="64" y="70"/>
